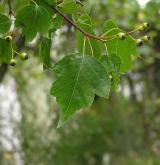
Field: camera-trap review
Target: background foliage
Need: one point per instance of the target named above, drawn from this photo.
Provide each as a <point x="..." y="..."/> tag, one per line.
<point x="120" y="131"/>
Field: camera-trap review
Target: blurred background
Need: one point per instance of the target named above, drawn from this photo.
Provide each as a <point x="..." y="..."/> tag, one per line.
<point x="123" y="130"/>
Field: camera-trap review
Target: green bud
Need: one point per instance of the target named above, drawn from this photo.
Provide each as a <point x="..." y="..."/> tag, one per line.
<point x="146" y="25"/>
<point x="146" y="38"/>
<point x="122" y="36"/>
<point x="8" y="38"/>
<point x="110" y="76"/>
<point x="23" y="56"/>
<point x="13" y="62"/>
<point x="141" y="28"/>
<point x="139" y="42"/>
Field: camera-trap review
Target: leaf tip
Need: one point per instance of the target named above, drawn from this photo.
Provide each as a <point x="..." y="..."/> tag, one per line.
<point x="61" y="123"/>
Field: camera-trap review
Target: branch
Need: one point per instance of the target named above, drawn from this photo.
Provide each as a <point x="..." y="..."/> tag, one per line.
<point x="11" y="13"/>
<point x="102" y="39"/>
<point x="3" y="70"/>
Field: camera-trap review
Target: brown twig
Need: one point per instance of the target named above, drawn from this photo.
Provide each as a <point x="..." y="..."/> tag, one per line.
<point x="102" y="39"/>
<point x="11" y="13"/>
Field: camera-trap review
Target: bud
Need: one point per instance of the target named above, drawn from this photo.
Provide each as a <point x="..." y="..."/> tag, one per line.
<point x="110" y="76"/>
<point x="122" y="36"/>
<point x="23" y="56"/>
<point x="13" y="62"/>
<point x="8" y="38"/>
<point x="146" y="25"/>
<point x="139" y="42"/>
<point x="141" y="28"/>
<point x="146" y="38"/>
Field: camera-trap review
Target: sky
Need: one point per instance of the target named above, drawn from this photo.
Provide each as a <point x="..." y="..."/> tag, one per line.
<point x="143" y="2"/>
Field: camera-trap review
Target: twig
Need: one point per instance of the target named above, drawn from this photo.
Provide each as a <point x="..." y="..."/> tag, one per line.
<point x="79" y="2"/>
<point x="102" y="39"/>
<point x="11" y="13"/>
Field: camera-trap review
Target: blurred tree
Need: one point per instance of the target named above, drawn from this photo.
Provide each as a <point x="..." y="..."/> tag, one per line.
<point x="124" y="128"/>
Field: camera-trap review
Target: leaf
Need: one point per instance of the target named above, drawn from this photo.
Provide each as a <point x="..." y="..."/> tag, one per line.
<point x="33" y="18"/>
<point x="51" y="2"/>
<point x="92" y="45"/>
<point x="46" y="4"/>
<point x="5" y="24"/>
<point x="79" y="79"/>
<point x="112" y="64"/>
<point x="68" y="6"/>
<point x="122" y="48"/>
<point x="5" y="51"/>
<point x="56" y="23"/>
<point x="45" y="52"/>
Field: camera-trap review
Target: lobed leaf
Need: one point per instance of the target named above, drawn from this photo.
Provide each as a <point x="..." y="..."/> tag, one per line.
<point x="33" y="18"/>
<point x="80" y="78"/>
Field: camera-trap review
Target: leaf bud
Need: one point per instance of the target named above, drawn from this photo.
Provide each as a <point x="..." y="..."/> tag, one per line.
<point x="146" y="38"/>
<point x="122" y="35"/>
<point x="23" y="56"/>
<point x="146" y="25"/>
<point x="8" y="38"/>
<point x="13" y="62"/>
<point x="139" y="42"/>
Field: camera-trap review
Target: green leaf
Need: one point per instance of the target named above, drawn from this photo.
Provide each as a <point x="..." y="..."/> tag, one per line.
<point x="5" y="24"/>
<point x="33" y="18"/>
<point x="5" y="51"/>
<point x="68" y="6"/>
<point x="122" y="48"/>
<point x="56" y="23"/>
<point x="79" y="79"/>
<point x="46" y="4"/>
<point x="51" y="2"/>
<point x="112" y="64"/>
<point x="45" y="52"/>
<point x="92" y="45"/>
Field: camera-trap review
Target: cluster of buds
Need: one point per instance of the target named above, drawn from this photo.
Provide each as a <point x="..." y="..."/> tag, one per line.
<point x="22" y="55"/>
<point x="144" y="26"/>
<point x="139" y="42"/>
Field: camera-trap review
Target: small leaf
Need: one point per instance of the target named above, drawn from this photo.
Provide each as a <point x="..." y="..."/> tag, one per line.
<point x="5" y="24"/>
<point x="112" y="64"/>
<point x="122" y="48"/>
<point x="68" y="6"/>
<point x="92" y="45"/>
<point x="5" y="51"/>
<point x="45" y="52"/>
<point x="56" y="23"/>
<point x="46" y="4"/>
<point x="80" y="78"/>
<point x="33" y="18"/>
